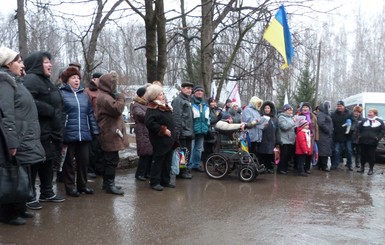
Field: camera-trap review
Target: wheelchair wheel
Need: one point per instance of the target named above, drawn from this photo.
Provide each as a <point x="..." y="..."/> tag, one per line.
<point x="216" y="166"/>
<point x="247" y="173"/>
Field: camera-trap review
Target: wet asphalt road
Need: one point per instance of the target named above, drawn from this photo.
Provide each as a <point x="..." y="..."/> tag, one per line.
<point x="340" y="207"/>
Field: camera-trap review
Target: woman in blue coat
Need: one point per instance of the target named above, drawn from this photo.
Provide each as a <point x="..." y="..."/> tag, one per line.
<point x="80" y="127"/>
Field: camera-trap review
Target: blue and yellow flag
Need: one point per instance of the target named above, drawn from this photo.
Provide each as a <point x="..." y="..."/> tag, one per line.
<point x="278" y="35"/>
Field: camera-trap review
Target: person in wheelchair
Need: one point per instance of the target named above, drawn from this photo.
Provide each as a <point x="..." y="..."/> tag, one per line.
<point x="227" y="129"/>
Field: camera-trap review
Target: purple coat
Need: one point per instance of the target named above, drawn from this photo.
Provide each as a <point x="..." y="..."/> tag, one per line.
<point x="143" y="144"/>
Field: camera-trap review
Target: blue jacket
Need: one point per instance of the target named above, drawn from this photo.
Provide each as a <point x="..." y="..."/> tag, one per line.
<point x="80" y="123"/>
<point x="201" y="115"/>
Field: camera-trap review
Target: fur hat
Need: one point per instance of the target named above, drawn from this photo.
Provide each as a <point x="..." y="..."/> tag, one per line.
<point x="198" y="88"/>
<point x="7" y="56"/>
<point x="256" y="102"/>
<point x="69" y="72"/>
<point x="286" y="107"/>
<point x="141" y="91"/>
<point x="152" y="92"/>
<point x="357" y="108"/>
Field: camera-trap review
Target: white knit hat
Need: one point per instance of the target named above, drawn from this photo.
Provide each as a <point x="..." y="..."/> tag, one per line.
<point x="7" y="56"/>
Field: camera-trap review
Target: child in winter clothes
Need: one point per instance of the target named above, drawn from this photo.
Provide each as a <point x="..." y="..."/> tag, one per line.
<point x="302" y="145"/>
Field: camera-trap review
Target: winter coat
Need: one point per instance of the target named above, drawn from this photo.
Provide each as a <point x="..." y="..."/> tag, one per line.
<point x="4" y="153"/>
<point x="201" y="116"/>
<point x="250" y="114"/>
<point x="286" y="127"/>
<point x="183" y="116"/>
<point x="215" y="115"/>
<point x="371" y="131"/>
<point x="138" y="111"/>
<point x="339" y="118"/>
<point x="325" y="126"/>
<point x="314" y="127"/>
<point x="158" y="119"/>
<point x="48" y="102"/>
<point x="110" y="119"/>
<point x="270" y="134"/>
<point x="303" y="142"/>
<point x="354" y="128"/>
<point x="80" y="124"/>
<point x="92" y="94"/>
<point x="20" y="119"/>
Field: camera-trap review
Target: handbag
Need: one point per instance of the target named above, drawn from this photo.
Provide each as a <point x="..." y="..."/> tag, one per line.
<point x="15" y="183"/>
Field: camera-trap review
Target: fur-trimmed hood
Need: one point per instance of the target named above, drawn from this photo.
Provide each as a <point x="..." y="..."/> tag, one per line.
<point x="273" y="111"/>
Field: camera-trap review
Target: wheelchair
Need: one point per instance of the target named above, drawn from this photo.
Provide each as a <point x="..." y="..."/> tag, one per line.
<point x="232" y="156"/>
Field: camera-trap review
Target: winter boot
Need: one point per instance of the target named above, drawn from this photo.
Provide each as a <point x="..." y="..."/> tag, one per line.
<point x="109" y="184"/>
<point x="362" y="170"/>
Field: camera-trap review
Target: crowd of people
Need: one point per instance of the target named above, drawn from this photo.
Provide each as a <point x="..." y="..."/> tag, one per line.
<point x="77" y="132"/>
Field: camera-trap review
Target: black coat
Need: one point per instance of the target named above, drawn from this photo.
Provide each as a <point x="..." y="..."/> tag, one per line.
<point x="4" y="153"/>
<point x="371" y="131"/>
<point x="20" y="119"/>
<point x="158" y="119"/>
<point x="49" y="104"/>
<point x="339" y="118"/>
<point x="270" y="133"/>
<point x="325" y="126"/>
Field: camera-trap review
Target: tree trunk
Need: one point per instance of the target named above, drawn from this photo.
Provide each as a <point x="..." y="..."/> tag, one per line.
<point x="207" y="47"/>
<point x="23" y="46"/>
<point x="162" y="40"/>
<point x="186" y="42"/>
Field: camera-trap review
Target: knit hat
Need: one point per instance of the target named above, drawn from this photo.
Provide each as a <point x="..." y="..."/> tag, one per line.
<point x="306" y="104"/>
<point x="97" y="75"/>
<point x="141" y="91"/>
<point x="340" y="102"/>
<point x="233" y="104"/>
<point x="198" y="88"/>
<point x="226" y="116"/>
<point x="7" y="56"/>
<point x="69" y="72"/>
<point x="286" y="107"/>
<point x="228" y="101"/>
<point x="358" y="109"/>
<point x="152" y="92"/>
<point x="302" y="122"/>
<point x="187" y="84"/>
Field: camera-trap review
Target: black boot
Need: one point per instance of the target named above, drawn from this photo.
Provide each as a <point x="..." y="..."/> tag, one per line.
<point x="109" y="183"/>
<point x="362" y="170"/>
<point x="370" y="171"/>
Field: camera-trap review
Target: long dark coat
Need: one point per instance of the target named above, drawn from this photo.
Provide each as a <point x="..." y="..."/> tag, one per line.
<point x="48" y="102"/>
<point x="270" y="135"/>
<point x="325" y="131"/>
<point x="138" y="111"/>
<point x="109" y="117"/>
<point x="158" y="119"/>
<point x="4" y="153"/>
<point x="20" y="119"/>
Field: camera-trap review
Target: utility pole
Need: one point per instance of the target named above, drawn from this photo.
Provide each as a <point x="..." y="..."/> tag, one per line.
<point x="317" y="76"/>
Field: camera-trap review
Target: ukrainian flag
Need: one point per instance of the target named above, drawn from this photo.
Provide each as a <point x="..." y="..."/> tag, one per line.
<point x="278" y="35"/>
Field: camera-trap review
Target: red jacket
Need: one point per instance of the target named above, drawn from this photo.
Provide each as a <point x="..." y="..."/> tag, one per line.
<point x="303" y="142"/>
